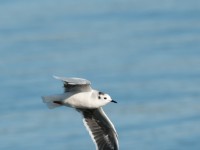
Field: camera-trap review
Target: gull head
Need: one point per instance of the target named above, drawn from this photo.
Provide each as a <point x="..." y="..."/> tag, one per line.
<point x="104" y="98"/>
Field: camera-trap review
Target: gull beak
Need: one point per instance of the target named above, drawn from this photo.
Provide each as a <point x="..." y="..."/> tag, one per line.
<point x="113" y="101"/>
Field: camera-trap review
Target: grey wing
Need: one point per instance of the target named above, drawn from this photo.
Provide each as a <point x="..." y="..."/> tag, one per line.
<point x="75" y="84"/>
<point x="100" y="128"/>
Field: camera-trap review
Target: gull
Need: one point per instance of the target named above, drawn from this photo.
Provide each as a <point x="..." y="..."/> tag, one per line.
<point x="79" y="95"/>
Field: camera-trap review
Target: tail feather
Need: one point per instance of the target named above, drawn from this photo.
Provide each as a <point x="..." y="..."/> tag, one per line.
<point x="53" y="101"/>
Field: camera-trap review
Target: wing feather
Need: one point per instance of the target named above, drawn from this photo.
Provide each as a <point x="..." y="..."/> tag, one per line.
<point x="100" y="128"/>
<point x="75" y="84"/>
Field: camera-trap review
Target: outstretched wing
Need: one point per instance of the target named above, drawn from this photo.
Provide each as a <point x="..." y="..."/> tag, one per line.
<point x="100" y="128"/>
<point x="75" y="84"/>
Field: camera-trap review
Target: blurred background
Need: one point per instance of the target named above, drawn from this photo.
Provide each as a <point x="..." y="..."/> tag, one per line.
<point x="145" y="54"/>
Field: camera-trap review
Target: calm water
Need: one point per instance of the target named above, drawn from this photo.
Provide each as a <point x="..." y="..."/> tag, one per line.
<point x="145" y="54"/>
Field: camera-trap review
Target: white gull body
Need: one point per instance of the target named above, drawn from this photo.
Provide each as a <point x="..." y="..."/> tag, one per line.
<point x="79" y="95"/>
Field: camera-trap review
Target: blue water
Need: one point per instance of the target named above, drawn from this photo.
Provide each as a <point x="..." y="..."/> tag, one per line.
<point x="145" y="54"/>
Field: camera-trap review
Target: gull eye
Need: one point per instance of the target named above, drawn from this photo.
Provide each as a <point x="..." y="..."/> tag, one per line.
<point x="105" y="97"/>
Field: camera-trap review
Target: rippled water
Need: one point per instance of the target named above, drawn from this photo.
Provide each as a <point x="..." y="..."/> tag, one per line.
<point x="145" y="54"/>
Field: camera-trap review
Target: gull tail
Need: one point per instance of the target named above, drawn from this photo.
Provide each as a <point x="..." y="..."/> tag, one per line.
<point x="53" y="101"/>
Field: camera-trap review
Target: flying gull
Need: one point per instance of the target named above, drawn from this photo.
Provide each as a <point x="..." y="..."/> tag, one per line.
<point x="78" y="94"/>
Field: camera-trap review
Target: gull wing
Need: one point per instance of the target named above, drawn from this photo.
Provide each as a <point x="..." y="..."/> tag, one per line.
<point x="100" y="128"/>
<point x="75" y="84"/>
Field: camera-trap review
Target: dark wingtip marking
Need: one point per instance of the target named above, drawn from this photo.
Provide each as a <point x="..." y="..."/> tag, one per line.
<point x="58" y="102"/>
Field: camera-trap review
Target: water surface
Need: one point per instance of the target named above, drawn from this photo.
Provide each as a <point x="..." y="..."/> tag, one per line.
<point x="145" y="54"/>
